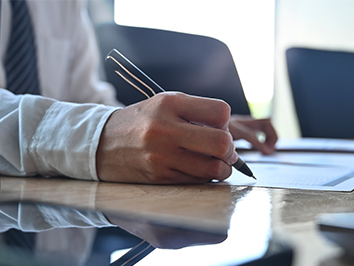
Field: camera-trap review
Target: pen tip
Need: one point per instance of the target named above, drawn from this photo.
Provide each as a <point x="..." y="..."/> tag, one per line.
<point x="254" y="177"/>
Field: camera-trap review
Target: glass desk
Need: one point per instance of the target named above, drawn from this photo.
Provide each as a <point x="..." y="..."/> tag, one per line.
<point x="187" y="225"/>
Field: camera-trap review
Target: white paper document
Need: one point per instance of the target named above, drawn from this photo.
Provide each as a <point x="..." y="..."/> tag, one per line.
<point x="309" y="169"/>
<point x="307" y="144"/>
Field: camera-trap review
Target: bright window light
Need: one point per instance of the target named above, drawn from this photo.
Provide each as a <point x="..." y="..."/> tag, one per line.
<point x="246" y="26"/>
<point x="240" y="246"/>
<point x="115" y="255"/>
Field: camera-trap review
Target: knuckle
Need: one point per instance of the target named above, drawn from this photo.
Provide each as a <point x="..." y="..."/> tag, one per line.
<point x="159" y="177"/>
<point x="223" y="110"/>
<point x="152" y="159"/>
<point x="153" y="169"/>
<point x="154" y="131"/>
<point x="168" y="98"/>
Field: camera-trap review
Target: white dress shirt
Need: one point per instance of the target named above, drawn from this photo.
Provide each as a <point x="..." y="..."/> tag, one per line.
<point x="60" y="231"/>
<point x="39" y="135"/>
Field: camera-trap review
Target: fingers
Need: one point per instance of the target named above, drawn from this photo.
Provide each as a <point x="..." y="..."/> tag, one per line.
<point x="269" y="131"/>
<point x="265" y="126"/>
<point x="250" y="135"/>
<point x="200" y="165"/>
<point x="245" y="127"/>
<point x="215" y="142"/>
<point x="263" y="147"/>
<point x="208" y="112"/>
<point x="192" y="170"/>
<point x="211" y="134"/>
<point x="177" y="177"/>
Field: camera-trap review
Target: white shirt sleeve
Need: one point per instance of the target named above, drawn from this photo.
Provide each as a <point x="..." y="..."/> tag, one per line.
<point x="67" y="52"/>
<point x="43" y="136"/>
<point x="30" y="217"/>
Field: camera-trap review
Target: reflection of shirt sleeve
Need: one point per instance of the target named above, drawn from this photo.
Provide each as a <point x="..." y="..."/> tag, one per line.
<point x="62" y="217"/>
<point x="42" y="136"/>
<point x="34" y="218"/>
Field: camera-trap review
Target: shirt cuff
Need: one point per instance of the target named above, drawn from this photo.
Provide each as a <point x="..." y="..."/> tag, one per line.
<point x="66" y="140"/>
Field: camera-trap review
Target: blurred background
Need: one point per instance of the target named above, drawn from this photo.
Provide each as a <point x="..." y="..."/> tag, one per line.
<point x="257" y="32"/>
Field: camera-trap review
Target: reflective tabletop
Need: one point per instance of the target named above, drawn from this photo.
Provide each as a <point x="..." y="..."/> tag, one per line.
<point x="207" y="224"/>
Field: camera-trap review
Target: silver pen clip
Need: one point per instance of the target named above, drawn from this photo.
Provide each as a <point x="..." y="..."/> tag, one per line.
<point x="138" y="80"/>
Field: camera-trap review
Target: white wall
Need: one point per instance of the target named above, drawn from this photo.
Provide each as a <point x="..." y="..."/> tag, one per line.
<point x="327" y="24"/>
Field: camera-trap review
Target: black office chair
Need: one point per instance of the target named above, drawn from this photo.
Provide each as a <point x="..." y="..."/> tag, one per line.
<point x="322" y="84"/>
<point x="192" y="64"/>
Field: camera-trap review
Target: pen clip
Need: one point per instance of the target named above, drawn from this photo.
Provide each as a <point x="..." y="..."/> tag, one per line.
<point x="133" y="75"/>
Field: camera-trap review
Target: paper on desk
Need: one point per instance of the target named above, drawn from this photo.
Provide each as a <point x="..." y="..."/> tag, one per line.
<point x="306" y="144"/>
<point x="301" y="169"/>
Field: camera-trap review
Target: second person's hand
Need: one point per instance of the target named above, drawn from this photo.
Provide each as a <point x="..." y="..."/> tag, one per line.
<point x="245" y="127"/>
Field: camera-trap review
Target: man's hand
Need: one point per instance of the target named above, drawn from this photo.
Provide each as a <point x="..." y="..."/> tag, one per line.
<point x="165" y="237"/>
<point x="170" y="138"/>
<point x="245" y="127"/>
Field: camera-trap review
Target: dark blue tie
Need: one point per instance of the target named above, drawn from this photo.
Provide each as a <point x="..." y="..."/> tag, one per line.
<point x="20" y="59"/>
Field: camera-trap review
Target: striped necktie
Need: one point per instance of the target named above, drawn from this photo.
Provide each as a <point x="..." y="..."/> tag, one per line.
<point x="20" y="59"/>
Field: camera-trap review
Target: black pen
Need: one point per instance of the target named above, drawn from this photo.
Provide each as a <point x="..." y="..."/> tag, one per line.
<point x="134" y="255"/>
<point x="241" y="166"/>
<point x="120" y="65"/>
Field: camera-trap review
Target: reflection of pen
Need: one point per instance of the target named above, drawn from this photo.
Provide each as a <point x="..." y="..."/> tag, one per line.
<point x="120" y="64"/>
<point x="134" y="255"/>
<point x="241" y="166"/>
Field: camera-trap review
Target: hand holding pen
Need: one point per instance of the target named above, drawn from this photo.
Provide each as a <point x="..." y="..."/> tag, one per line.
<point x="197" y="154"/>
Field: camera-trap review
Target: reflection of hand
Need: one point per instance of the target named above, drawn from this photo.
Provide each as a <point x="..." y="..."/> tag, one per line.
<point x="166" y="237"/>
<point x="245" y="127"/>
<point x="154" y="141"/>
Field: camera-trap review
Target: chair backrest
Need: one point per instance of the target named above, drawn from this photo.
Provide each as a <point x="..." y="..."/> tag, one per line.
<point x="193" y="64"/>
<point x="322" y="84"/>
